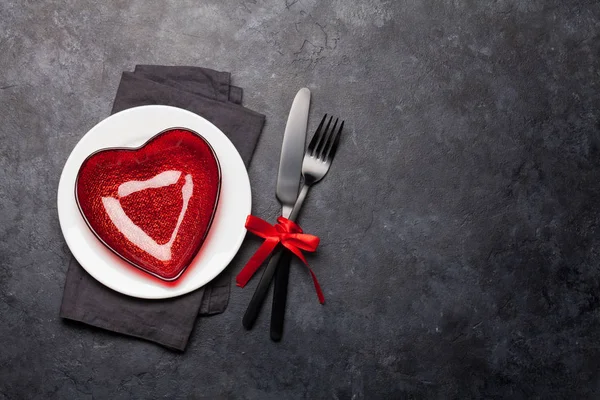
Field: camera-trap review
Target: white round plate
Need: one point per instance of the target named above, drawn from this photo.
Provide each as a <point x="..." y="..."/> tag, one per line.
<point x="132" y="128"/>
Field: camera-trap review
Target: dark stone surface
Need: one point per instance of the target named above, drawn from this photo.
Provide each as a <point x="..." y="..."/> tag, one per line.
<point x="460" y="223"/>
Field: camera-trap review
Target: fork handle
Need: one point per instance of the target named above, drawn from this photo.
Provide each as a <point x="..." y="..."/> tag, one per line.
<point x="282" y="277"/>
<point x="299" y="202"/>
<point x="265" y="280"/>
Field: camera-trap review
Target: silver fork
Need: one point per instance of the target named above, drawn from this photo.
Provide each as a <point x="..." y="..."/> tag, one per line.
<point x="315" y="165"/>
<point x="317" y="159"/>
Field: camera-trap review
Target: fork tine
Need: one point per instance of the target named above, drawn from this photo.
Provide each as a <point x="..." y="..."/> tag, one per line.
<point x="333" y="144"/>
<point x="315" y="138"/>
<point x="321" y="139"/>
<point x="326" y="140"/>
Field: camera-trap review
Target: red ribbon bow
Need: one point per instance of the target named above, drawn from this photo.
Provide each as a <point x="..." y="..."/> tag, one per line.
<point x="286" y="232"/>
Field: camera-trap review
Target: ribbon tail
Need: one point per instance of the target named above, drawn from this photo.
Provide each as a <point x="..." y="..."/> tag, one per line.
<point x="299" y="254"/>
<point x="317" y="286"/>
<point x="255" y="262"/>
<point x="295" y="251"/>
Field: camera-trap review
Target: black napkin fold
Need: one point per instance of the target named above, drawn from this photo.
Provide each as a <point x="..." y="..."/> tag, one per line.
<point x="201" y="81"/>
<point x="168" y="322"/>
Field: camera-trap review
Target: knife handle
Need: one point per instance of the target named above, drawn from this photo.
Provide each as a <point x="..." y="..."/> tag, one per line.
<point x="261" y="290"/>
<point x="280" y="296"/>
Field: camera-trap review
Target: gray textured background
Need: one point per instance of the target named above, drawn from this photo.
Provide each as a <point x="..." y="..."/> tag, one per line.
<point x="460" y="231"/>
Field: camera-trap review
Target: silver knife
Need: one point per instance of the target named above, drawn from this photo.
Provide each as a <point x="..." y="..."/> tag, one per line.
<point x="288" y="182"/>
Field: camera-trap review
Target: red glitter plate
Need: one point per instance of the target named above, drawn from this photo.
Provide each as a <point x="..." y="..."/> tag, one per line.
<point x="152" y="205"/>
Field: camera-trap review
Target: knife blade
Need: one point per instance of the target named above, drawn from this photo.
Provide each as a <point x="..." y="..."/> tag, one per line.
<point x="292" y="152"/>
<point x="288" y="181"/>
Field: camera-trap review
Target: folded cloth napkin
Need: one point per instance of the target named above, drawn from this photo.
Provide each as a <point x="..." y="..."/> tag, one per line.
<point x="169" y="322"/>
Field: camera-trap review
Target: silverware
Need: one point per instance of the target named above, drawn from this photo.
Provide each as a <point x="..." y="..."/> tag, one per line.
<point x="315" y="165"/>
<point x="288" y="181"/>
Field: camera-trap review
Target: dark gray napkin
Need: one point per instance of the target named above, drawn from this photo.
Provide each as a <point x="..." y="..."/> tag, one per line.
<point x="168" y="322"/>
<point x="202" y="81"/>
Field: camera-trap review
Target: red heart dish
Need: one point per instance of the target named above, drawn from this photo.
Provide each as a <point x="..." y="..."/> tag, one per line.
<point x="152" y="205"/>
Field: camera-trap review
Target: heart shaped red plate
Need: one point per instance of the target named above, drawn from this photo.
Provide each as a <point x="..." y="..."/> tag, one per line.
<point x="152" y="205"/>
